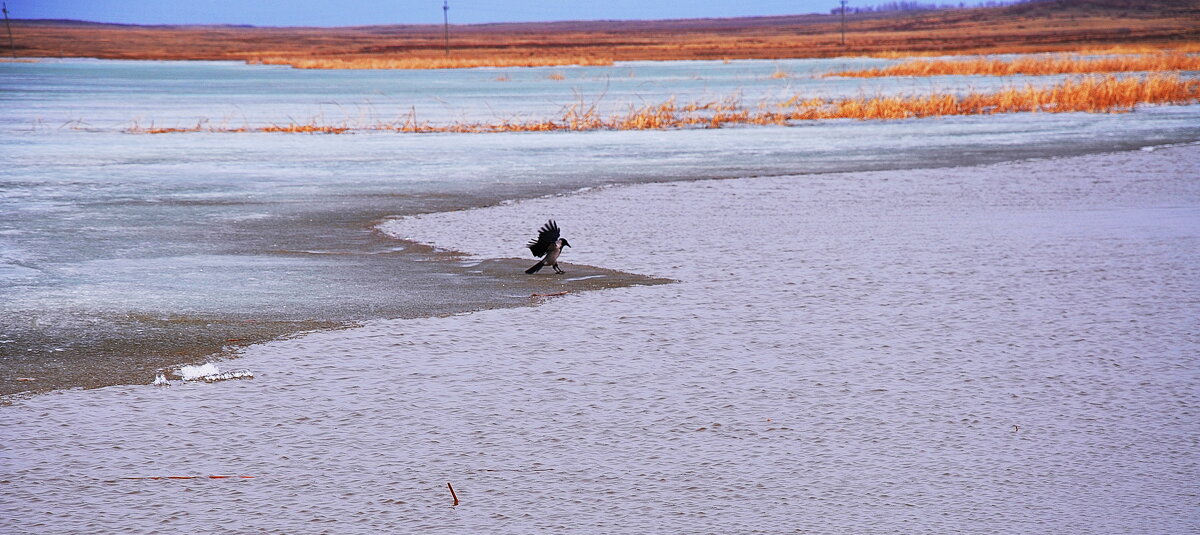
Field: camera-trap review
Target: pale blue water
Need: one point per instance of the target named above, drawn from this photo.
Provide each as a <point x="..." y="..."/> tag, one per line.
<point x="113" y="242"/>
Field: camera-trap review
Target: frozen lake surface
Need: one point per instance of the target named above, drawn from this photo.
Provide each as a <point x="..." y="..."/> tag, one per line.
<point x="1007" y="348"/>
<point x="122" y="255"/>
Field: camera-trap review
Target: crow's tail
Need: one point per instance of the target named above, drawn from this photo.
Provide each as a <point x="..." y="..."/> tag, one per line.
<point x="535" y="268"/>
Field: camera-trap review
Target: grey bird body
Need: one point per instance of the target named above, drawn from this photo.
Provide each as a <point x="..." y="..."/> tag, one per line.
<point x="552" y="255"/>
<point x="547" y="245"/>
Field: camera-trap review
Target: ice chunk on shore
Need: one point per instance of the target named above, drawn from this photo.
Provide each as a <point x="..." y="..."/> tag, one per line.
<point x="209" y="373"/>
<point x="194" y="373"/>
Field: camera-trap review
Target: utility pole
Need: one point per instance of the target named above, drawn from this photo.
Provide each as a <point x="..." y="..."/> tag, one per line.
<point x="843" y="22"/>
<point x="11" y="47"/>
<point x="446" y="24"/>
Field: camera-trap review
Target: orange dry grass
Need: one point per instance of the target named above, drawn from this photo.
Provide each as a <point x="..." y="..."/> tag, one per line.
<point x="291" y="128"/>
<point x="1095" y="94"/>
<point x="1036" y="65"/>
<point x="1179" y="47"/>
<point x="429" y="62"/>
<point x="311" y="128"/>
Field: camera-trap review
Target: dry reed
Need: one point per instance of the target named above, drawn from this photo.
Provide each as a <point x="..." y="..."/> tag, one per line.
<point x="1180" y="47"/>
<point x="1035" y="65"/>
<point x="1094" y="94"/>
<point x="428" y="62"/>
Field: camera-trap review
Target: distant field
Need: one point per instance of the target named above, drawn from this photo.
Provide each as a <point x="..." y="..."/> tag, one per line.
<point x="1055" y="25"/>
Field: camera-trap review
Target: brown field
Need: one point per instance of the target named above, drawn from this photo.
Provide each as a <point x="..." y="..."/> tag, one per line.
<point x="1095" y="94"/>
<point x="1047" y="26"/>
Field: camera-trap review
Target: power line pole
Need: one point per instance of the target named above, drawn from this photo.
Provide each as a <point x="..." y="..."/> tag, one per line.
<point x="11" y="47"/>
<point x="843" y="22"/>
<point x="446" y="24"/>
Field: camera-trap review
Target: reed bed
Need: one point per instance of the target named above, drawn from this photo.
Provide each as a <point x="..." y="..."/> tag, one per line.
<point x="291" y="128"/>
<point x="1189" y="47"/>
<point x="1094" y="94"/>
<point x="1035" y="66"/>
<point x="1178" y="47"/>
<point x="429" y="62"/>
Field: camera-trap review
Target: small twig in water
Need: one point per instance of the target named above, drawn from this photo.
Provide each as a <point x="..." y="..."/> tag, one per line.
<point x="452" y="494"/>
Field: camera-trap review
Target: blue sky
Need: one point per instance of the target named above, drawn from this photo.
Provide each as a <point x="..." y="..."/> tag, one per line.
<point x="362" y="12"/>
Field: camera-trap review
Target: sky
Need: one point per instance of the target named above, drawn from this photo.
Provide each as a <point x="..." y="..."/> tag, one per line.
<point x="367" y="12"/>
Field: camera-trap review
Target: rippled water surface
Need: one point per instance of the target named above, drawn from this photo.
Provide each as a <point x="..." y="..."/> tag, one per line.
<point x="1000" y="349"/>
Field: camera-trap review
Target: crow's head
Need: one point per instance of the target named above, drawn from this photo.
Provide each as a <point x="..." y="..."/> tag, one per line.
<point x="564" y="242"/>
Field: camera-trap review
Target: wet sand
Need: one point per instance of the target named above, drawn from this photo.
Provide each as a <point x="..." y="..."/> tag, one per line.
<point x="44" y="353"/>
<point x="1007" y="348"/>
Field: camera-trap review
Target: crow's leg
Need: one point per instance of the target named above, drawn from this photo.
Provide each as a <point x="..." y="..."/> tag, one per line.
<point x="558" y="269"/>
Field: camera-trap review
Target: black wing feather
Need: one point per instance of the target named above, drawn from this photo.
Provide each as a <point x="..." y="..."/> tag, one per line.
<point x="546" y="237"/>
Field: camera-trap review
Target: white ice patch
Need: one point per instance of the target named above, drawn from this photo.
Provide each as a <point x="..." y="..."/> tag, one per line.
<point x="193" y="373"/>
<point x="209" y="373"/>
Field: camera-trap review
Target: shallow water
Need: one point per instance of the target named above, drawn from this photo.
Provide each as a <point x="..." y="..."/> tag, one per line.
<point x="123" y="254"/>
<point x="1002" y="349"/>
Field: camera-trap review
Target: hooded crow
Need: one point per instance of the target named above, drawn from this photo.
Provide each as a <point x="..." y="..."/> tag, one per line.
<point x="548" y="246"/>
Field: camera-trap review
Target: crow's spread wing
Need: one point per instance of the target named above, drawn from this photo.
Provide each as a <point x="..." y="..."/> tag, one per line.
<point x="546" y="237"/>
